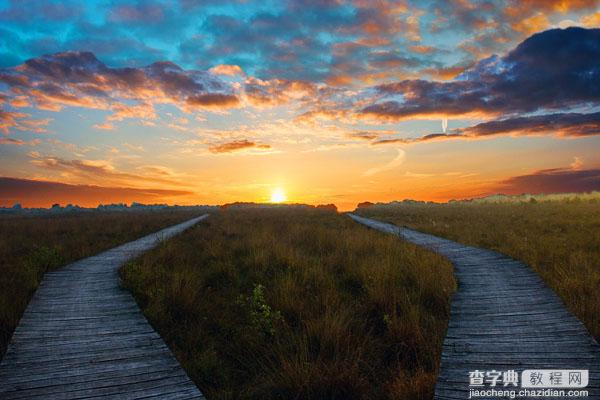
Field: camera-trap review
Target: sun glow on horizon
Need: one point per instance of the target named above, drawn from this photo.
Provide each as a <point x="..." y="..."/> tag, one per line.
<point x="278" y="196"/>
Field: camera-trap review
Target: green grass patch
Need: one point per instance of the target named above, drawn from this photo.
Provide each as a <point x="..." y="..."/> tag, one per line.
<point x="297" y="304"/>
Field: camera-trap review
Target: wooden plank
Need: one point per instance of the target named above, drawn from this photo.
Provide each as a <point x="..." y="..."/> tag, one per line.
<point x="74" y="374"/>
<point x="73" y="380"/>
<point x="52" y="387"/>
<point x="503" y="316"/>
<point x="83" y="337"/>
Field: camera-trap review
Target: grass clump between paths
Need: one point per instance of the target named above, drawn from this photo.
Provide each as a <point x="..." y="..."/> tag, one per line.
<point x="297" y="304"/>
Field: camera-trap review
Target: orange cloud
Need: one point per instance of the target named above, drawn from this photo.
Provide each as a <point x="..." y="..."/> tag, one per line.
<point x="340" y="80"/>
<point x="422" y="49"/>
<point x="79" y="79"/>
<point x="521" y="7"/>
<point x="8" y="119"/>
<point x="143" y="111"/>
<point x="276" y="92"/>
<point x="20" y="102"/>
<point x="16" y="120"/>
<point x="591" y="21"/>
<point x="107" y="126"/>
<point x="533" y="24"/>
<point x="236" y="145"/>
<point x="214" y="100"/>
<point x="228" y="70"/>
<point x="446" y="73"/>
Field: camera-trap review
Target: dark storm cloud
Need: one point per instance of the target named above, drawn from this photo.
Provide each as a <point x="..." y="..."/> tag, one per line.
<point x="552" y="181"/>
<point x="565" y="125"/>
<point x="213" y="100"/>
<point x="562" y="124"/>
<point x="551" y="70"/>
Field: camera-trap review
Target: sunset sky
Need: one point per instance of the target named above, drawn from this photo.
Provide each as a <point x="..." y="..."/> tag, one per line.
<point x="209" y="102"/>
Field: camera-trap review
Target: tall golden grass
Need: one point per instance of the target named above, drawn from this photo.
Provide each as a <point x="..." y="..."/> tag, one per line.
<point x="558" y="236"/>
<point x="32" y="245"/>
<point x="297" y="304"/>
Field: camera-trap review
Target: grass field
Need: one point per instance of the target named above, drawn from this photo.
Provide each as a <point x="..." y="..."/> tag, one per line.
<point x="559" y="239"/>
<point x="33" y="245"/>
<point x="297" y="304"/>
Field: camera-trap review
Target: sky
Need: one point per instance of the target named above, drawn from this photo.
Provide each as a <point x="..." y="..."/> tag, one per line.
<point x="317" y="101"/>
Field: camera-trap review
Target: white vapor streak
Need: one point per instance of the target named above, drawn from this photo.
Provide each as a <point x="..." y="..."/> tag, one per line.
<point x="395" y="162"/>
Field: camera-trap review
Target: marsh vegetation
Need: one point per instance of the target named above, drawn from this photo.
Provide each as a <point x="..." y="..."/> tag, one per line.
<point x="558" y="236"/>
<point x="30" y="246"/>
<point x="297" y="304"/>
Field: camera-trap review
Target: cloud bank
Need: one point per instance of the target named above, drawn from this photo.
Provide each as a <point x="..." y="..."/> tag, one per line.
<point x="556" y="69"/>
<point x="33" y="193"/>
<point x="548" y="85"/>
<point x="519" y="94"/>
<point x="555" y="180"/>
<point x="79" y="79"/>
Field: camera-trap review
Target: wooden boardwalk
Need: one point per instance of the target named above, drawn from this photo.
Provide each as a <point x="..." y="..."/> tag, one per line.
<point x="503" y="317"/>
<point x="84" y="337"/>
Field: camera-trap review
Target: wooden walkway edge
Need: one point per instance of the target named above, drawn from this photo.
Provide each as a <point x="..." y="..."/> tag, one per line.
<point x="82" y="336"/>
<point x="503" y="317"/>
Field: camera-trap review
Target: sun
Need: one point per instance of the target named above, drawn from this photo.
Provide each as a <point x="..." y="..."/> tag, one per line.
<point x="278" y="196"/>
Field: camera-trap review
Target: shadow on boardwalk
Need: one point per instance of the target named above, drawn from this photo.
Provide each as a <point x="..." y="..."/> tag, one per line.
<point x="83" y="336"/>
<point x="503" y="317"/>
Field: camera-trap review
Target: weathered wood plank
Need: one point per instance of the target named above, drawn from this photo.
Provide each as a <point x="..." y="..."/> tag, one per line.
<point x="502" y="317"/>
<point x="83" y="337"/>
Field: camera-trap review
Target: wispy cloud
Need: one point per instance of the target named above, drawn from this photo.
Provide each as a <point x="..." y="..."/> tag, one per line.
<point x="100" y="172"/>
<point x="19" y="142"/>
<point x="236" y="145"/>
<point x="390" y="165"/>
